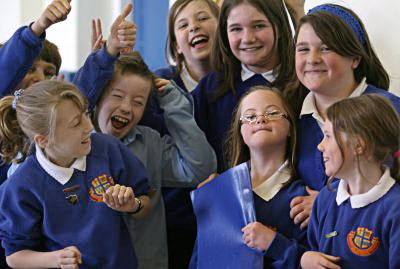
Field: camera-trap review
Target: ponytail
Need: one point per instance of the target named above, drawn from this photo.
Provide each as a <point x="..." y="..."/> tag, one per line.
<point x="12" y="139"/>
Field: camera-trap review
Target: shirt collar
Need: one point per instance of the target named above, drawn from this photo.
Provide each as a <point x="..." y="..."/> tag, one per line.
<point x="272" y="185"/>
<point x="187" y="79"/>
<point x="134" y="133"/>
<point x="360" y="200"/>
<point x="61" y="174"/>
<point x="309" y="106"/>
<point x="247" y="73"/>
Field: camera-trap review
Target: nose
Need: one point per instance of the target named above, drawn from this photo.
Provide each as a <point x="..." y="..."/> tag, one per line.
<point x="261" y="119"/>
<point x="248" y="36"/>
<point x="125" y="106"/>
<point x="88" y="124"/>
<point x="194" y="26"/>
<point x="314" y="57"/>
<point x="321" y="146"/>
<point x="38" y="75"/>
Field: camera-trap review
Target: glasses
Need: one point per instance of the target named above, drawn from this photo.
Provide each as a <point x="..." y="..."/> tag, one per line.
<point x="269" y="116"/>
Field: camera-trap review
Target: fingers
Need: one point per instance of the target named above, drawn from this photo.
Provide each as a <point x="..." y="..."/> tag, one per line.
<point x="304" y="223"/>
<point x="296" y="200"/>
<point x="161" y="83"/>
<point x="311" y="192"/>
<point x="210" y="178"/>
<point x="58" y="11"/>
<point x="118" y="195"/>
<point x="300" y="217"/>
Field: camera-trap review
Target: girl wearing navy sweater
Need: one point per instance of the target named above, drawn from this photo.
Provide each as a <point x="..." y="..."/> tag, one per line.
<point x="334" y="60"/>
<point x="263" y="138"/>
<point x="253" y="46"/>
<point x="63" y="206"/>
<point x="355" y="221"/>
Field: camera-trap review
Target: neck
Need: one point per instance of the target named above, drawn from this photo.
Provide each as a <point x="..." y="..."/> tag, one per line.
<point x="264" y="164"/>
<point x="364" y="178"/>
<point x="199" y="69"/>
<point x="58" y="161"/>
<point x="324" y="100"/>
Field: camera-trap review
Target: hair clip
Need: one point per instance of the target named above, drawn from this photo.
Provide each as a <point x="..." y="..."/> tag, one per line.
<point x="17" y="95"/>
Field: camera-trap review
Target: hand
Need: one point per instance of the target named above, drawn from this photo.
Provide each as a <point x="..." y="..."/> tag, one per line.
<point x="60" y="77"/>
<point x="301" y="207"/>
<point x="122" y="34"/>
<point x="120" y="198"/>
<point x="256" y="235"/>
<point x="57" y="11"/>
<point x="316" y="260"/>
<point x="210" y="178"/>
<point x="161" y="83"/>
<point x="69" y="257"/>
<point x="97" y="41"/>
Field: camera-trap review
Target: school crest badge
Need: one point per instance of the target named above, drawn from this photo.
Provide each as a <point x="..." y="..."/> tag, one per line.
<point x="99" y="185"/>
<point x="362" y="242"/>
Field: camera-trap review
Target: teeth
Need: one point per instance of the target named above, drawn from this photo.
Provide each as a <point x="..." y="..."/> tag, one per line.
<point x="199" y="39"/>
<point x="122" y="120"/>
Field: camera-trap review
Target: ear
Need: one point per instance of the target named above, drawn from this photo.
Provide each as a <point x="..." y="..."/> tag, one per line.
<point x="359" y="147"/>
<point x="356" y="62"/>
<point x="41" y="140"/>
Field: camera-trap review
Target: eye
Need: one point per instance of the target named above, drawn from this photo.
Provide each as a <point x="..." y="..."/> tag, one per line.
<point x="325" y="48"/>
<point x="250" y="117"/>
<point x="273" y="113"/>
<point x="203" y="18"/>
<point x="116" y="95"/>
<point x="259" y="26"/>
<point x="235" y="29"/>
<point x="182" y="26"/>
<point x="302" y="49"/>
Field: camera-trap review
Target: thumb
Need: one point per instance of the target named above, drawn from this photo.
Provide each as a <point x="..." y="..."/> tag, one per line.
<point x="126" y="10"/>
<point x="310" y="191"/>
<point x="121" y="17"/>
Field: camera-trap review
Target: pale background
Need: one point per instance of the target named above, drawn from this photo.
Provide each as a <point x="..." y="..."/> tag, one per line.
<point x="73" y="36"/>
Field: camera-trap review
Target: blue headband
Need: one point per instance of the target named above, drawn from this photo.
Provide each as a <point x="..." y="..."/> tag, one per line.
<point x="17" y="95"/>
<point x="349" y="19"/>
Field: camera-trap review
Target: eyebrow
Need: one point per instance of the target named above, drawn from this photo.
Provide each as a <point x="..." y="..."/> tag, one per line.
<point x="196" y="14"/>
<point x="267" y="107"/>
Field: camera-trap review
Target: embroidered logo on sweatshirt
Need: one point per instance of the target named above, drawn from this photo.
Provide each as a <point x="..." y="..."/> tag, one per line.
<point x="99" y="185"/>
<point x="362" y="242"/>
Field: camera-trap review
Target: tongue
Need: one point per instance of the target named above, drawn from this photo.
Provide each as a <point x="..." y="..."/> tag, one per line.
<point x="117" y="124"/>
<point x="200" y="44"/>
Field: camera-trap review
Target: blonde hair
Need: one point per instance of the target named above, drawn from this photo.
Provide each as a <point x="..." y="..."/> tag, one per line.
<point x="236" y="151"/>
<point x="373" y="119"/>
<point x="35" y="113"/>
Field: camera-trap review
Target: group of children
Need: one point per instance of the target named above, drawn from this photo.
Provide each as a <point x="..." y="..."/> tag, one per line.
<point x="307" y="113"/>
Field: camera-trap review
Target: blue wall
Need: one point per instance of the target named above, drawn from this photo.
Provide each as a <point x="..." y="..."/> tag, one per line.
<point x="150" y="17"/>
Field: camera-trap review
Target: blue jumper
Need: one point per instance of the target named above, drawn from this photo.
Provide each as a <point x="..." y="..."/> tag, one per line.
<point x="35" y="214"/>
<point x="310" y="166"/>
<point x="365" y="237"/>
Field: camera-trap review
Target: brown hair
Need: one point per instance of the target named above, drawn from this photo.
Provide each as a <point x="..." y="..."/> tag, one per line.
<point x="176" y="8"/>
<point x="236" y="151"/>
<point x="373" y="119"/>
<point x="35" y="113"/>
<point x="50" y="54"/>
<point x="225" y="63"/>
<point x="340" y="38"/>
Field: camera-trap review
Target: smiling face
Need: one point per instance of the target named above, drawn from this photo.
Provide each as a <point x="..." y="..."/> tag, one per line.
<point x="194" y="29"/>
<point x="72" y="135"/>
<point x="337" y="164"/>
<point x="122" y="106"/>
<point x="251" y="38"/>
<point x="264" y="133"/>
<point x="319" y="68"/>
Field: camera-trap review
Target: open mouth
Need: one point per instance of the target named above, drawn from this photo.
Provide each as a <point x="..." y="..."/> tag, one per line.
<point x="199" y="41"/>
<point x="119" y="122"/>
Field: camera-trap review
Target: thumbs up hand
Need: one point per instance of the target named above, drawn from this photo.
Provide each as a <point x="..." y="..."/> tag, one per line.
<point x="122" y="34"/>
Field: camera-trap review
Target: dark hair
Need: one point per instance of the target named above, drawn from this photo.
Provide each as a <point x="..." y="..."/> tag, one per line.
<point x="225" y="63"/>
<point x="35" y="113"/>
<point x="176" y="8"/>
<point x="373" y="119"/>
<point x="50" y="54"/>
<point x="236" y="151"/>
<point x="340" y="38"/>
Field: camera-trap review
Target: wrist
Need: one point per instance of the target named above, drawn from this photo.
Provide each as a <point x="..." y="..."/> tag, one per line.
<point x="138" y="208"/>
<point x="110" y="50"/>
<point x="37" y="29"/>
